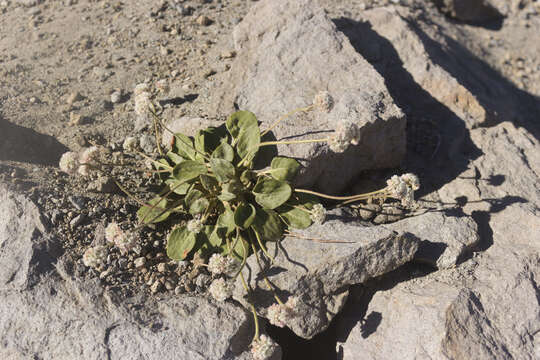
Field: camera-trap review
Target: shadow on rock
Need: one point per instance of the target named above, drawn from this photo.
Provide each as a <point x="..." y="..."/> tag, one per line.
<point x="18" y="143"/>
<point x="439" y="146"/>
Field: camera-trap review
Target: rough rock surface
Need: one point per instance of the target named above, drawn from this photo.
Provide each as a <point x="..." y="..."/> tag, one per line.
<point x="320" y="273"/>
<point x="47" y="313"/>
<point x="445" y="237"/>
<point x="471" y="10"/>
<point x="272" y="77"/>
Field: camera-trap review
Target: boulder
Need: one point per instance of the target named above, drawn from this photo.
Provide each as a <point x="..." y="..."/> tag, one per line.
<point x="317" y="265"/>
<point x="288" y="51"/>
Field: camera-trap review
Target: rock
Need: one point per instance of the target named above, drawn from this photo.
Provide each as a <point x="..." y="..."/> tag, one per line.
<point x="475" y="11"/>
<point x="26" y="250"/>
<point x="139" y="262"/>
<point x="63" y="314"/>
<point x="74" y="97"/>
<point x="116" y="96"/>
<point x="322" y="59"/>
<point x="147" y="143"/>
<point x="319" y="273"/>
<point x="203" y="20"/>
<point x="444" y="237"/>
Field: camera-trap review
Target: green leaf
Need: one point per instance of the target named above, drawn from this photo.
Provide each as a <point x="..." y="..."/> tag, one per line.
<point x="226" y="196"/>
<point x="193" y="195"/>
<point x="222" y="169"/>
<point x="226" y="220"/>
<point x="246" y="177"/>
<point x="271" y="193"/>
<point x="178" y="187"/>
<point x="224" y="151"/>
<point x="188" y="170"/>
<point x="183" y="146"/>
<point x="284" y="168"/>
<point x="175" y="158"/>
<point x="180" y="243"/>
<point x="209" y="183"/>
<point x="207" y="140"/>
<point x="244" y="215"/>
<point x="296" y="218"/>
<point x="248" y="142"/>
<point x="217" y="236"/>
<point x="148" y="215"/>
<point x="268" y="224"/>
<point x="240" y="120"/>
<point x="238" y="250"/>
<point x="199" y="206"/>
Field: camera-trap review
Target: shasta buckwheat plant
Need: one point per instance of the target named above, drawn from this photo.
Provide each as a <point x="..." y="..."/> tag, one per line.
<point x="225" y="209"/>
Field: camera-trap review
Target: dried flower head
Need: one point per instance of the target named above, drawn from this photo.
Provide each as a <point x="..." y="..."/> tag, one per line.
<point x="323" y="101"/>
<point x="403" y="187"/>
<point x="411" y="180"/>
<point x="397" y="187"/>
<point x="69" y="162"/>
<point x="347" y="133"/>
<point x="263" y="348"/>
<point x="124" y="241"/>
<point x="282" y="314"/>
<point x="95" y="256"/>
<point x="318" y="214"/>
<point x="219" y="264"/>
<point x="195" y="225"/>
<point x="84" y="170"/>
<point x="142" y="99"/>
<point x="220" y="290"/>
<point x="90" y="155"/>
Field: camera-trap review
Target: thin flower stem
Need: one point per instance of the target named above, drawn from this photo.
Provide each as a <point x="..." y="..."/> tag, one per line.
<point x="158" y="141"/>
<point x="268" y="283"/>
<point x="255" y="318"/>
<point x="154" y="161"/>
<point x="283" y="117"/>
<point x="307" y="141"/>
<point x="262" y="246"/>
<point x="359" y="196"/>
<point x="364" y="197"/>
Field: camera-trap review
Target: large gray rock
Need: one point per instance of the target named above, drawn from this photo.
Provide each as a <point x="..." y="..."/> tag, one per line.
<point x="47" y="313"/>
<point x="444" y="237"/>
<point x="319" y="273"/>
<point x="470" y="10"/>
<point x="287" y="51"/>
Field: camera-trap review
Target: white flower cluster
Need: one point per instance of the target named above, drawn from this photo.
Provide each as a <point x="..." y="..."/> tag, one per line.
<point x="122" y="240"/>
<point x="347" y="133"/>
<point x="318" y="214"/>
<point x="323" y="101"/>
<point x="220" y="290"/>
<point x="403" y="187"/>
<point x="280" y="315"/>
<point x="95" y="256"/>
<point x="82" y="162"/>
<point x="142" y="99"/>
<point x="219" y="264"/>
<point x="195" y="225"/>
<point x="263" y="348"/>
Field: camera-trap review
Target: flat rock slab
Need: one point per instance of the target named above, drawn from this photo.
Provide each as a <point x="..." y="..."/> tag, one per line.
<point x="288" y="51"/>
<point x="320" y="273"/>
<point x="444" y="237"/>
<point x="46" y="313"/>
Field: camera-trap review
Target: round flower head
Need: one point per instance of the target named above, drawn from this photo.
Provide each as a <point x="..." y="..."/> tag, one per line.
<point x="124" y="241"/>
<point x="220" y="290"/>
<point x="112" y="232"/>
<point x="219" y="264"/>
<point x="282" y="314"/>
<point x="142" y="99"/>
<point x="318" y="214"/>
<point x="263" y="348"/>
<point x="69" y="162"/>
<point x="347" y="133"/>
<point x="323" y="101"/>
<point x="195" y="225"/>
<point x="411" y="180"/>
<point x="397" y="187"/>
<point x="95" y="256"/>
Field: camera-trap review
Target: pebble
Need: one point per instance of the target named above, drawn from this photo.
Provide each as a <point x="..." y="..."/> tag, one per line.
<point x="162" y="267"/>
<point x="203" y="20"/>
<point x="179" y="290"/>
<point x="116" y="96"/>
<point x="78" y="202"/>
<point x="169" y="285"/>
<point x="202" y="280"/>
<point x="156" y="286"/>
<point x="74" y="97"/>
<point x="74" y="118"/>
<point x="146" y="142"/>
<point x="139" y="262"/>
<point x="77" y="220"/>
<point x="123" y="263"/>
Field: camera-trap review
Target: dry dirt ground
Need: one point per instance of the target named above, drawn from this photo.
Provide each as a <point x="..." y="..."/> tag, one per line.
<point x="61" y="60"/>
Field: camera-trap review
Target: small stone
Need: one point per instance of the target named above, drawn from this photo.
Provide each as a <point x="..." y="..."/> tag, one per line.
<point x="203" y="20"/>
<point x="147" y="144"/>
<point x="74" y="118"/>
<point x="139" y="262"/>
<point x="77" y="201"/>
<point x="74" y="97"/>
<point x="179" y="290"/>
<point x="169" y="285"/>
<point x="76" y="221"/>
<point x="162" y="267"/>
<point x="227" y="54"/>
<point x="156" y="286"/>
<point x="116" y="97"/>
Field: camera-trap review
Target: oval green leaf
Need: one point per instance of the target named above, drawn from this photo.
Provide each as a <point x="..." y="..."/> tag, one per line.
<point x="244" y="215"/>
<point x="226" y="220"/>
<point x="224" y="151"/>
<point x="271" y="193"/>
<point x="268" y="225"/>
<point x="222" y="169"/>
<point x="240" y="120"/>
<point x="188" y="170"/>
<point x="183" y="146"/>
<point x="284" y="168"/>
<point x="295" y="218"/>
<point x="180" y="243"/>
